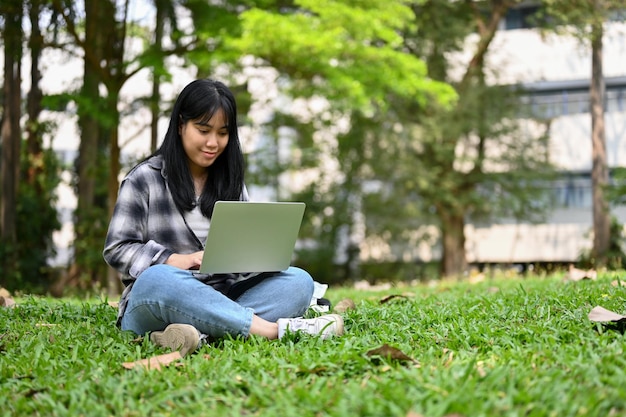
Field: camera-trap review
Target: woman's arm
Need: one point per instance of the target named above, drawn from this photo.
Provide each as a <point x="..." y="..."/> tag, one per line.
<point x="128" y="247"/>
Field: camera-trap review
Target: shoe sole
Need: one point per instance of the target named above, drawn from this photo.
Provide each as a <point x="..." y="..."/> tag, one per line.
<point x="181" y="337"/>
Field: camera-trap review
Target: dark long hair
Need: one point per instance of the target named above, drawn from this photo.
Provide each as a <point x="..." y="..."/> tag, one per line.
<point x="199" y="101"/>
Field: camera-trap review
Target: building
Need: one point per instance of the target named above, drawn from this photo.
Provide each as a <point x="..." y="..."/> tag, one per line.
<point x="556" y="70"/>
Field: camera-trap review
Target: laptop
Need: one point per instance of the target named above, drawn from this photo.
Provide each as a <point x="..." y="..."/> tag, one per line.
<point x="247" y="237"/>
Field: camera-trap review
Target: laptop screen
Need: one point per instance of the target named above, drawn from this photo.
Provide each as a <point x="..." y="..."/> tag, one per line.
<point x="249" y="236"/>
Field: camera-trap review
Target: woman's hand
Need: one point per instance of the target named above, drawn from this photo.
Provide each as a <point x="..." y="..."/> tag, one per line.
<point x="189" y="261"/>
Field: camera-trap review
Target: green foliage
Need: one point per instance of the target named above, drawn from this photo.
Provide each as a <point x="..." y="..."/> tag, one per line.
<point x="36" y="221"/>
<point x="440" y="27"/>
<point x="504" y="347"/>
<point x="488" y="157"/>
<point x="347" y="51"/>
<point x="398" y="272"/>
<point x="577" y="17"/>
<point x="616" y="191"/>
<point x="429" y="152"/>
<point x="320" y="262"/>
<point x="615" y="257"/>
<point x="214" y="23"/>
<point x="615" y="194"/>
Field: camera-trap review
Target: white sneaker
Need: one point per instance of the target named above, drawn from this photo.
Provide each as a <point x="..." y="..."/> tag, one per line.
<point x="182" y="337"/>
<point x="324" y="326"/>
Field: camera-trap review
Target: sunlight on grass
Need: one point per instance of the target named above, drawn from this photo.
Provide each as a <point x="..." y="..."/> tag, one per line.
<point x="501" y="347"/>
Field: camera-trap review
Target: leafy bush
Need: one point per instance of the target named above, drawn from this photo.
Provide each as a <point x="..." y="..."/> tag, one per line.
<point x="25" y="264"/>
<point x="615" y="256"/>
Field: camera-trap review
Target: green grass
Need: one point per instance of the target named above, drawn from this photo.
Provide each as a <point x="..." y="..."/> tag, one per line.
<point x="505" y="347"/>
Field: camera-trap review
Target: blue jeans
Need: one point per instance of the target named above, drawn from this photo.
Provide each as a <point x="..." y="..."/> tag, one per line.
<point x="164" y="294"/>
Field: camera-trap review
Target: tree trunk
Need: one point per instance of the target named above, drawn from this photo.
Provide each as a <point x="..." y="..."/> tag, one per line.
<point x="90" y="116"/>
<point x="114" y="55"/>
<point x="33" y="130"/>
<point x="81" y="272"/>
<point x="112" y="281"/>
<point x="453" y="257"/>
<point x="599" y="170"/>
<point x="10" y="129"/>
<point x="156" y="77"/>
<point x="453" y="261"/>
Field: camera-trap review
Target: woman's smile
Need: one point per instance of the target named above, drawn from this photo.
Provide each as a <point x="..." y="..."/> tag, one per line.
<point x="204" y="142"/>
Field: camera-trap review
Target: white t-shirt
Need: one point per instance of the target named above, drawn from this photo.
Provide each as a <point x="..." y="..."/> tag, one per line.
<point x="198" y="223"/>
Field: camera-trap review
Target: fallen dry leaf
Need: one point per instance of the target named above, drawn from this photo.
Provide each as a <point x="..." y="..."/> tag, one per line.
<point x="391" y="297"/>
<point x="6" y="301"/>
<point x="450" y="357"/>
<point x="154" y="362"/>
<point x="364" y="285"/>
<point x="344" y="305"/>
<point x="575" y="274"/>
<point x="390" y="352"/>
<point x="480" y="368"/>
<point x="4" y="293"/>
<point x="601" y="314"/>
<point x="34" y="391"/>
<point x="318" y="370"/>
<point x="114" y="304"/>
<point x="475" y="279"/>
<point x="366" y="378"/>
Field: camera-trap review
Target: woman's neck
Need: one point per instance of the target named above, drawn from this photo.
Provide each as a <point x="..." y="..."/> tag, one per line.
<point x="199" y="179"/>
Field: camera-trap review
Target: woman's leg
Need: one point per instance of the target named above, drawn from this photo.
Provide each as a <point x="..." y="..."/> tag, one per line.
<point x="163" y="295"/>
<point x="285" y="295"/>
<point x="278" y="302"/>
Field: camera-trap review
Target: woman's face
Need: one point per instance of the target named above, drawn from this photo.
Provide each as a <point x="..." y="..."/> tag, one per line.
<point x="204" y="143"/>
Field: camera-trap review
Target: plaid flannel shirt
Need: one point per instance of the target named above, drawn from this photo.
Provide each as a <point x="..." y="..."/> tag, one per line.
<point x="147" y="227"/>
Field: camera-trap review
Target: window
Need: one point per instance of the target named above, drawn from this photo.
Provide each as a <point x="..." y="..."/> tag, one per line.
<point x="523" y="17"/>
<point x="573" y="191"/>
<point x="549" y="100"/>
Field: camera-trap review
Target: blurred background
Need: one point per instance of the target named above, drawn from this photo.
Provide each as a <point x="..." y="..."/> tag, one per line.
<point x="429" y="139"/>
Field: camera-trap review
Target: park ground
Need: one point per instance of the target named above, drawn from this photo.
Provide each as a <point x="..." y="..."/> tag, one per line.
<point x="497" y="346"/>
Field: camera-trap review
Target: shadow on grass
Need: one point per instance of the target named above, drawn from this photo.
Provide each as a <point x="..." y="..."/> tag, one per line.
<point x="618" y="326"/>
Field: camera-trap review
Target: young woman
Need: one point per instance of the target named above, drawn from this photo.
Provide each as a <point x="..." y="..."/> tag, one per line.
<point x="159" y="225"/>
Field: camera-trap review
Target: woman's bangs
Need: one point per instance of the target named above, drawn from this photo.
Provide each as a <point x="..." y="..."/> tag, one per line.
<point x="205" y="117"/>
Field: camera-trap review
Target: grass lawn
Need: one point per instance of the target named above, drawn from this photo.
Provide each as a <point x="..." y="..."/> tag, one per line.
<point x="502" y="347"/>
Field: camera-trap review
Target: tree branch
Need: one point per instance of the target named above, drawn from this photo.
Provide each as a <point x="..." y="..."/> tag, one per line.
<point x="486" y="31"/>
